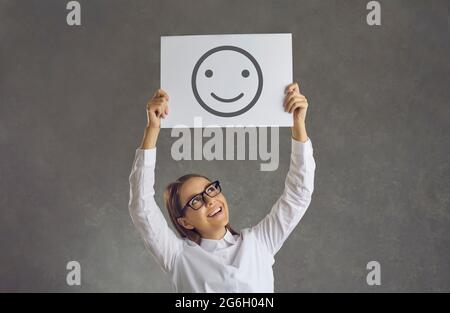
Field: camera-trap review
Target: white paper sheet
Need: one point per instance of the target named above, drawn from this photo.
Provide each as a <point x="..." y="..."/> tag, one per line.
<point x="226" y="80"/>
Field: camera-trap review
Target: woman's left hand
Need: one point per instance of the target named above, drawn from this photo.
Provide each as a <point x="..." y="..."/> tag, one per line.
<point x="296" y="103"/>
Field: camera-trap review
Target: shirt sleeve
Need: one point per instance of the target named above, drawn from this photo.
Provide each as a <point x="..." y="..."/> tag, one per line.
<point x="287" y="211"/>
<point x="145" y="213"/>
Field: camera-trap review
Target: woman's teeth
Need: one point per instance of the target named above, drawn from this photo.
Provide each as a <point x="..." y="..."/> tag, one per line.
<point x="215" y="212"/>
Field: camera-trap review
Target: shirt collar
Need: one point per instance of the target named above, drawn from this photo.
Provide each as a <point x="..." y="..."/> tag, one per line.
<point x="212" y="244"/>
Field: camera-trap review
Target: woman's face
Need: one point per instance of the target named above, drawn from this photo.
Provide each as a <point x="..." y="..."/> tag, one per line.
<point x="202" y="220"/>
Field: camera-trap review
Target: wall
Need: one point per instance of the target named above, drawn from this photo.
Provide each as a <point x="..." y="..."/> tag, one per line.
<point x="73" y="111"/>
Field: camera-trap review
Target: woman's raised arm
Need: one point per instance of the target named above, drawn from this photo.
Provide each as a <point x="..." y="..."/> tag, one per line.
<point x="288" y="210"/>
<point x="144" y="211"/>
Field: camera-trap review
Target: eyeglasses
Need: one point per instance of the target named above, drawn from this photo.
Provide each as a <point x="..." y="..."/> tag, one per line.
<point x="198" y="200"/>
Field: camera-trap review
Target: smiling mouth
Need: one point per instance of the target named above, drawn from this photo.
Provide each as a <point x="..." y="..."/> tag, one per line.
<point x="227" y="100"/>
<point x="216" y="212"/>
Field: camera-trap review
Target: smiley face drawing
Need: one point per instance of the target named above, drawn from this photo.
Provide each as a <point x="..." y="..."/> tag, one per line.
<point x="227" y="81"/>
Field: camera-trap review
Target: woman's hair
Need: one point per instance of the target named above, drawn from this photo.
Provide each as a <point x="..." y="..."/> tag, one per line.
<point x="174" y="206"/>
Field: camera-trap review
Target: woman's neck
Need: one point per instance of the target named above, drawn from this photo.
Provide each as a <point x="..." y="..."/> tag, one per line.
<point x="217" y="235"/>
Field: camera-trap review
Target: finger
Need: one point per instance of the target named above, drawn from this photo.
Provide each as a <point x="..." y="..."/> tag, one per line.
<point x="159" y="100"/>
<point x="291" y="95"/>
<point x="159" y="103"/>
<point x="288" y="99"/>
<point x="161" y="108"/>
<point x="291" y="101"/>
<point x="161" y="94"/>
<point x="162" y="104"/>
<point x="297" y="105"/>
<point x="293" y="107"/>
<point x="155" y="105"/>
<point x="157" y="93"/>
<point x="290" y="104"/>
<point x="163" y="112"/>
<point x="292" y="87"/>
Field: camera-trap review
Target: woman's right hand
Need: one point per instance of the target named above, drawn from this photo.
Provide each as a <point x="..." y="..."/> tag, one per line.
<point x="157" y="107"/>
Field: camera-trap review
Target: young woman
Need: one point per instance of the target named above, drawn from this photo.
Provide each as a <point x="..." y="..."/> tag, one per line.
<point x="210" y="256"/>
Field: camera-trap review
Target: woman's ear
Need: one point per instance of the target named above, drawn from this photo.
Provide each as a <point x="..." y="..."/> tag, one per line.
<point x="182" y="221"/>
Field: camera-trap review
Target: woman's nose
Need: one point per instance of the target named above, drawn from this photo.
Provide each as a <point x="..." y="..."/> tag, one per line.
<point x="209" y="201"/>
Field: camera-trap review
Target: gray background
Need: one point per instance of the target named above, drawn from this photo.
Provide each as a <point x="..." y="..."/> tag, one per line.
<point x="73" y="111"/>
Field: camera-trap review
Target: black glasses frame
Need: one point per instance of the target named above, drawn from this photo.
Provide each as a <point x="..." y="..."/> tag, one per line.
<point x="203" y="193"/>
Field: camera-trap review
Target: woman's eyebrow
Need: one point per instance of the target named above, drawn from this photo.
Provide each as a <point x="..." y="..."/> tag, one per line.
<point x="191" y="196"/>
<point x="194" y="194"/>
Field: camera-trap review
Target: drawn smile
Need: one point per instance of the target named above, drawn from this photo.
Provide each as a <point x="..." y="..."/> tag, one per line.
<point x="227" y="100"/>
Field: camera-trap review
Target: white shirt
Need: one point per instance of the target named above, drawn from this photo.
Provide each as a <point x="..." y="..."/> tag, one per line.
<point x="239" y="263"/>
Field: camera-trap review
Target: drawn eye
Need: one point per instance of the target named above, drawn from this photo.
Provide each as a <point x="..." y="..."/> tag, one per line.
<point x="245" y="73"/>
<point x="208" y="73"/>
